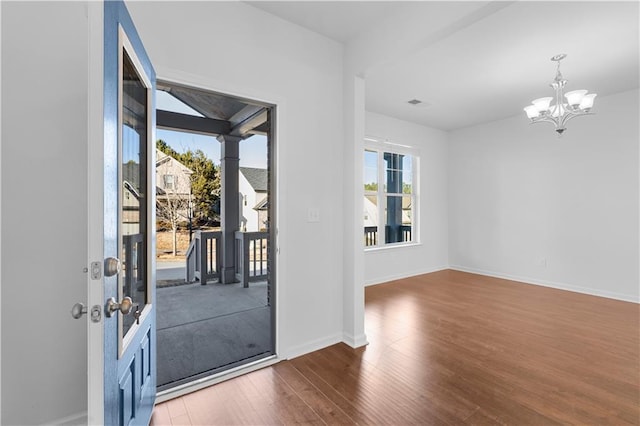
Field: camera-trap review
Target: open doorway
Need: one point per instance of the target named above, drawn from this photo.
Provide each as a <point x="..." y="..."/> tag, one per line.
<point x="215" y="192"/>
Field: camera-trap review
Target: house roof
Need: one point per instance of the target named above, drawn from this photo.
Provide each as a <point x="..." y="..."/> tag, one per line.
<point x="131" y="174"/>
<point x="162" y="158"/>
<point x="262" y="204"/>
<point x="257" y="178"/>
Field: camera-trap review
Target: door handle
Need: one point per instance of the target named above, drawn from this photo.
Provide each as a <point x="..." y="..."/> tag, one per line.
<point x="112" y="266"/>
<point x="78" y="310"/>
<point x="113" y="306"/>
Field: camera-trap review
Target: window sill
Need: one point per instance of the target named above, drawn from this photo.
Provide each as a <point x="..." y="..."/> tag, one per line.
<point x="390" y="247"/>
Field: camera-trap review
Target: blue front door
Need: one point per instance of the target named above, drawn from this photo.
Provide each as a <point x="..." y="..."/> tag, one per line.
<point x="129" y="217"/>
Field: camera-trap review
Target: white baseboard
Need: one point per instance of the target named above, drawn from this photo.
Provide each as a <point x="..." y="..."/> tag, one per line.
<point x="399" y="276"/>
<point x="312" y="346"/>
<point x="73" y="420"/>
<point x="551" y="284"/>
<point x="355" y="341"/>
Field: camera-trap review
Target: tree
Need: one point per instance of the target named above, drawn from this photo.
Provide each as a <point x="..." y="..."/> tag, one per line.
<point x="205" y="181"/>
<point x="172" y="207"/>
<point x="371" y="186"/>
<point x="205" y="184"/>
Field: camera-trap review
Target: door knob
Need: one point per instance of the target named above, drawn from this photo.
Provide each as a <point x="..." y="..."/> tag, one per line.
<point x="112" y="266"/>
<point x="113" y="306"/>
<point x="78" y="310"/>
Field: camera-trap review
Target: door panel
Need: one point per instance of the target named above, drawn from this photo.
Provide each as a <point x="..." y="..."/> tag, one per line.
<point x="129" y="197"/>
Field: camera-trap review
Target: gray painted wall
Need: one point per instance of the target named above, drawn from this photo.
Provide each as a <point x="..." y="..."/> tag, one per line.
<point x="44" y="130"/>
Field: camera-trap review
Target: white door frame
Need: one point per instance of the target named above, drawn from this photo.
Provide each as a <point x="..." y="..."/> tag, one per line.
<point x="189" y="80"/>
<point x="95" y="210"/>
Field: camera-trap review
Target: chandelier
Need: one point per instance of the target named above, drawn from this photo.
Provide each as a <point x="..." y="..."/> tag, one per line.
<point x="578" y="102"/>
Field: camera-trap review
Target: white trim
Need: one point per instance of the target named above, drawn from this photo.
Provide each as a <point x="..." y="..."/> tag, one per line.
<point x="124" y="44"/>
<point x="355" y="341"/>
<point x="169" y="75"/>
<point x="196" y="385"/>
<point x="550" y="284"/>
<point x="72" y="420"/>
<point x="95" y="222"/>
<point x="390" y="246"/>
<point x="383" y="144"/>
<point x="0" y="223"/>
<point x="414" y="273"/>
<point x="314" y="345"/>
<point x="380" y="149"/>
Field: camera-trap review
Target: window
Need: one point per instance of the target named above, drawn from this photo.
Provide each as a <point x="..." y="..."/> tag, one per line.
<point x="390" y="197"/>
<point x="170" y="181"/>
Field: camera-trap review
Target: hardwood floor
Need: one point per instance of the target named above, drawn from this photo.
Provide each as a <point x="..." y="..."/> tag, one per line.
<point x="449" y="348"/>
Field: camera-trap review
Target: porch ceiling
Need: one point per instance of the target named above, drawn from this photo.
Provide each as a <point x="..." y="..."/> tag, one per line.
<point x="244" y="118"/>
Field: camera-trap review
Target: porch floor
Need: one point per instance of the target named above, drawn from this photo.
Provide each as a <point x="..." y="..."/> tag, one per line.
<point x="201" y="328"/>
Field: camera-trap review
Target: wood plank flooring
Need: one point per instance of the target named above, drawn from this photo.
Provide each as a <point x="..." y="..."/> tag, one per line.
<point x="449" y="348"/>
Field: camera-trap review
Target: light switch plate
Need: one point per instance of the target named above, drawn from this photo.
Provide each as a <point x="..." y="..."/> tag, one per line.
<point x="313" y="215"/>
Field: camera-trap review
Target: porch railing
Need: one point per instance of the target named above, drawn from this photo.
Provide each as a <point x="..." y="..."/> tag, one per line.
<point x="204" y="254"/>
<point x="371" y="234"/>
<point x="203" y="257"/>
<point x="251" y="256"/>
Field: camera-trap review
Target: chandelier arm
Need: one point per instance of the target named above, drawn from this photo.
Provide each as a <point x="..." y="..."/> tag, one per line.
<point x="573" y="115"/>
<point x="544" y="120"/>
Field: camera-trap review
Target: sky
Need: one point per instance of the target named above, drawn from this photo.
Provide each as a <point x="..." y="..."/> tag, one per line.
<point x="253" y="151"/>
<point x="371" y="167"/>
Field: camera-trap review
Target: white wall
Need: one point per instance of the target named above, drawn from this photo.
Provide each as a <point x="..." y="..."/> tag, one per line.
<point x="563" y="212"/>
<point x="432" y="253"/>
<point x="234" y="48"/>
<point x="44" y="196"/>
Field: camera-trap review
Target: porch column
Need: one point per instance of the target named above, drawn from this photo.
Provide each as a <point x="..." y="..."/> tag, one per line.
<point x="229" y="204"/>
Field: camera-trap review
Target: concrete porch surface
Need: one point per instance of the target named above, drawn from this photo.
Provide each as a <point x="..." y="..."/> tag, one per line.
<point x="201" y="328"/>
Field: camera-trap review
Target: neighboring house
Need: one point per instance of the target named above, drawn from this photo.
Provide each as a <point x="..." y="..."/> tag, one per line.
<point x="253" y="185"/>
<point x="131" y="198"/>
<point x="171" y="175"/>
<point x="173" y="179"/>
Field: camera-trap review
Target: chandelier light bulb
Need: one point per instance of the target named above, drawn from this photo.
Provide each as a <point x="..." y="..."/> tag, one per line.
<point x="555" y="110"/>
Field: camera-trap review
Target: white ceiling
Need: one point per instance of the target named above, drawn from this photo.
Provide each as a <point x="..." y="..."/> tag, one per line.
<point x="474" y="62"/>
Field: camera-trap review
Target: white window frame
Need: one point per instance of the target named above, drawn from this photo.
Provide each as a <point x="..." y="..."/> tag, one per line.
<point x="381" y="147"/>
<point x="174" y="181"/>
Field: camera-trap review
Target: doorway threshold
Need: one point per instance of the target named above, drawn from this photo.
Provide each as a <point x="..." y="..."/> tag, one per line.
<point x="204" y="382"/>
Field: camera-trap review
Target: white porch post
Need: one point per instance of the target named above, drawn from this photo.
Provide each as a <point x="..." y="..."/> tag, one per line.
<point x="229" y="204"/>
